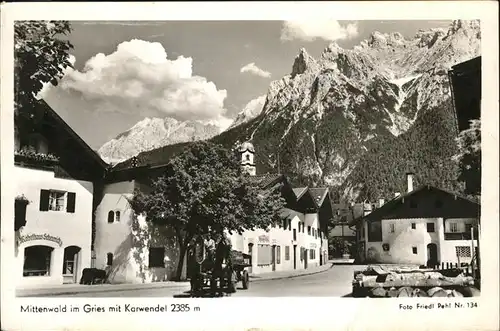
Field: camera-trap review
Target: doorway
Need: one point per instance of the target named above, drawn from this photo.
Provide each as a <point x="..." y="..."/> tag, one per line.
<point x="70" y="264"/>
<point x="273" y="257"/>
<point x="432" y="255"/>
<point x="295" y="256"/>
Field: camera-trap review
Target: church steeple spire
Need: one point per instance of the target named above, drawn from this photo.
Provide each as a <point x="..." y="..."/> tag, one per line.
<point x="247" y="152"/>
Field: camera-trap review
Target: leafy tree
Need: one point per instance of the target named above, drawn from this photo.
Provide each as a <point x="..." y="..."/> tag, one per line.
<point x="469" y="158"/>
<point x="40" y="56"/>
<point x="204" y="192"/>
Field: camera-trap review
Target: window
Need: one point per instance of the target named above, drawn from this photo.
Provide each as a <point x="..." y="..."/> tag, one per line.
<point x="264" y="255"/>
<point x="308" y="230"/>
<point x="111" y="216"/>
<point x="278" y="254"/>
<point x="57" y="201"/>
<point x="413" y="226"/>
<point x="453" y="227"/>
<point x="392" y="227"/>
<point x="311" y="254"/>
<point x="37" y="260"/>
<point x="414" y="249"/>
<point x="438" y="203"/>
<point x="287" y="253"/>
<point x="109" y="260"/>
<point x="294" y="234"/>
<point x="285" y="222"/>
<point x="117" y="216"/>
<point x="430" y="227"/>
<point x="374" y="231"/>
<point x="247" y="157"/>
<point x="463" y="251"/>
<point x="157" y="257"/>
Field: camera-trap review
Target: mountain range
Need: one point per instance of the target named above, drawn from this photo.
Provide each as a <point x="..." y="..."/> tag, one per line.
<point x="353" y="119"/>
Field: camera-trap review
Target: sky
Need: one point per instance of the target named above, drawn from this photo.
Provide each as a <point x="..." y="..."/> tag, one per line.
<point x="189" y="70"/>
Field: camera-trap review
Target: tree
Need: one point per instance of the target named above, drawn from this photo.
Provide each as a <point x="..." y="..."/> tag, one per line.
<point x="204" y="192"/>
<point x="469" y="158"/>
<point x="40" y="57"/>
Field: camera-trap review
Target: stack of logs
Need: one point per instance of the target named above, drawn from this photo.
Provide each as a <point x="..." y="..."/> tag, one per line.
<point x="389" y="282"/>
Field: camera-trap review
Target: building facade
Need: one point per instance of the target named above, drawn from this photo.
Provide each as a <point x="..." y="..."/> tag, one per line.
<point x="55" y="173"/>
<point x="425" y="226"/>
<point x="132" y="253"/>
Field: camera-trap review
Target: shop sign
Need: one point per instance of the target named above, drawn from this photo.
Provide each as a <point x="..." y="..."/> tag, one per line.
<point x="275" y="241"/>
<point x="313" y="245"/>
<point x="44" y="236"/>
<point x="264" y="239"/>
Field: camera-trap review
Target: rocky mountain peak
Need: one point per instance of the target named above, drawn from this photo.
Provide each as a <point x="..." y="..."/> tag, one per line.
<point x="303" y="62"/>
<point x="331" y="113"/>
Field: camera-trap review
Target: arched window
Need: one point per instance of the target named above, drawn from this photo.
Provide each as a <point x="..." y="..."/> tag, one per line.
<point x="110" y="259"/>
<point x="117" y="216"/>
<point x="37" y="260"/>
<point x="111" y="216"/>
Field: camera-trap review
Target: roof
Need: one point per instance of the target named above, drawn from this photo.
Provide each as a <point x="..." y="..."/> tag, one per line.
<point x="390" y="205"/>
<point x="266" y="180"/>
<point x="247" y="146"/>
<point x="299" y="191"/>
<point x="154" y="158"/>
<point x="472" y="64"/>
<point x="52" y="113"/>
<point x="319" y="194"/>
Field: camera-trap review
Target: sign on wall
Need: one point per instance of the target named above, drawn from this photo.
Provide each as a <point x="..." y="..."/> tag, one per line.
<point x="44" y="236"/>
<point x="264" y="239"/>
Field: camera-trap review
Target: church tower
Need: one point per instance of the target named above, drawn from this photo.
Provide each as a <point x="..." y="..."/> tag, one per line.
<point x="247" y="152"/>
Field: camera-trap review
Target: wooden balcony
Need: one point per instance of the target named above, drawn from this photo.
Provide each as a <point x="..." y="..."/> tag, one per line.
<point x="459" y="235"/>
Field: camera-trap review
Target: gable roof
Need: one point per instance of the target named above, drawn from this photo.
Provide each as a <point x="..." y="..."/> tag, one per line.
<point x="62" y="124"/>
<point x="319" y="194"/>
<point x="380" y="212"/>
<point x="299" y="192"/>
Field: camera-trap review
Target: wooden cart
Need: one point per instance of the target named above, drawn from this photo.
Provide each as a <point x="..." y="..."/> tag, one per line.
<point x="213" y="281"/>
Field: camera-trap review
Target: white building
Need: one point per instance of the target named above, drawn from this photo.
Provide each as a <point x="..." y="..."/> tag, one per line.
<point x="133" y="254"/>
<point x="301" y="241"/>
<point x="425" y="226"/>
<point x="55" y="172"/>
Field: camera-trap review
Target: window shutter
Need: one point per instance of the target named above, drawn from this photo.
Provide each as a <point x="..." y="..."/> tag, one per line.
<point x="44" y="200"/>
<point x="70" y="207"/>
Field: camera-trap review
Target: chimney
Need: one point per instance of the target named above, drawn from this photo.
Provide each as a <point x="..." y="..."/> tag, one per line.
<point x="397" y="194"/>
<point x="381" y="202"/>
<point x="409" y="181"/>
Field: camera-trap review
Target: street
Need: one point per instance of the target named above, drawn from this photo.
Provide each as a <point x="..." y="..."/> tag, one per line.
<point x="334" y="282"/>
